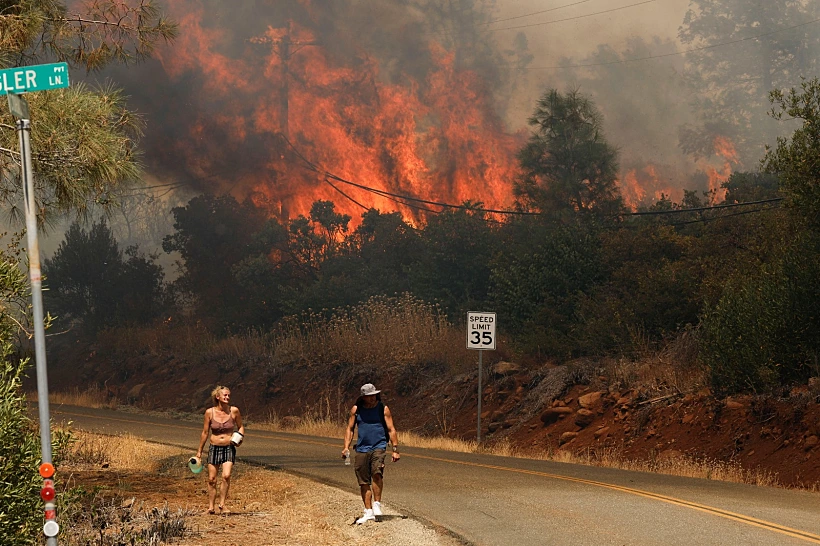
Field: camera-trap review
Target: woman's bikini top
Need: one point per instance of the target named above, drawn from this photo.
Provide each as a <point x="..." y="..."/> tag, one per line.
<point x="225" y="427"/>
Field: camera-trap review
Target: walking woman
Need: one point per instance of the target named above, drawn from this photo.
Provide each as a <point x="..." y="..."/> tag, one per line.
<point x="221" y="421"/>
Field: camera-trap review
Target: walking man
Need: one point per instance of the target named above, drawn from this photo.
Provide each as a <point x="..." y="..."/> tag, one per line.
<point x="375" y="428"/>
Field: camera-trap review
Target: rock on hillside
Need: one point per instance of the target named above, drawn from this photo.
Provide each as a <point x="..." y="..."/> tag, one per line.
<point x="569" y="407"/>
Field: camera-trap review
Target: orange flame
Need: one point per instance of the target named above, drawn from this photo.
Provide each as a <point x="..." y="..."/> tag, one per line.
<point x="438" y="138"/>
<point x="644" y="186"/>
<point x="725" y="149"/>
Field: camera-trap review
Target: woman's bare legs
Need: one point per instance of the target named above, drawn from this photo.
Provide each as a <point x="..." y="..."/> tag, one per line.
<point x="226" y="485"/>
<point x="211" y="487"/>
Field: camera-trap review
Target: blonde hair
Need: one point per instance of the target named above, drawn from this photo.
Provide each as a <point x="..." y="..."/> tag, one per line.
<point x="216" y="391"/>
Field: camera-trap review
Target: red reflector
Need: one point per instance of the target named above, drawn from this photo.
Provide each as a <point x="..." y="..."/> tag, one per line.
<point x="51" y="514"/>
<point x="47" y="493"/>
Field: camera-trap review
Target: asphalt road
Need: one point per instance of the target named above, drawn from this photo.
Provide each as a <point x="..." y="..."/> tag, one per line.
<point x="505" y="501"/>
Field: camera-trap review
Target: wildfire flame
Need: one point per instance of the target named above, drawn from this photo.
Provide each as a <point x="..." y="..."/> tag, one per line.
<point x="725" y="149"/>
<point x="641" y="186"/>
<point x="435" y="137"/>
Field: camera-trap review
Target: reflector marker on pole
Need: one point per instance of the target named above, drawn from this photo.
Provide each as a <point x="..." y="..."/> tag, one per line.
<point x="51" y="529"/>
<point x="47" y="470"/>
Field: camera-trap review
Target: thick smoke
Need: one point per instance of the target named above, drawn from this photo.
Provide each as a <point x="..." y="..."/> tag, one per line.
<point x="430" y="98"/>
<point x="403" y="96"/>
<point x="685" y="120"/>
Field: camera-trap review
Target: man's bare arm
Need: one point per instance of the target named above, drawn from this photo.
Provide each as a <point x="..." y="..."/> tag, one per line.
<point x="391" y="431"/>
<point x="351" y="424"/>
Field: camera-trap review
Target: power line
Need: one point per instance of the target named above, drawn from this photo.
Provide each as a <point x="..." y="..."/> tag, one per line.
<point x="535" y="13"/>
<point x="344" y="194"/>
<point x="683" y="52"/>
<point x="739" y="213"/>
<point x="574" y="18"/>
<point x="313" y="167"/>
<point x="327" y="174"/>
<point x="699" y="209"/>
<point x="451" y="33"/>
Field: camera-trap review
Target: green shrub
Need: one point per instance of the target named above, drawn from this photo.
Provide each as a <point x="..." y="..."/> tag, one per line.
<point x="21" y="511"/>
<point x="763" y="332"/>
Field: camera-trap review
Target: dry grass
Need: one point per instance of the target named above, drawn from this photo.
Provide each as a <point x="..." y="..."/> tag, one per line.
<point x="193" y="342"/>
<point x="382" y="331"/>
<point x="92" y="397"/>
<point x="403" y="331"/>
<point x="118" y="452"/>
<point x="672" y="369"/>
<point x="161" y="502"/>
<point x="682" y="465"/>
<point x="709" y="469"/>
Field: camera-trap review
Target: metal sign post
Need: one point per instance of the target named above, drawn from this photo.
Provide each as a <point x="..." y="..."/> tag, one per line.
<point x="480" y="336"/>
<point x="12" y="81"/>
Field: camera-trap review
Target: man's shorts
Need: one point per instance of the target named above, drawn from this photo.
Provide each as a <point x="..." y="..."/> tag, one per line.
<point x="368" y="464"/>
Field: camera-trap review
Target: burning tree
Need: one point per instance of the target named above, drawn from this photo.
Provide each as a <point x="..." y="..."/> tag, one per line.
<point x="401" y="97"/>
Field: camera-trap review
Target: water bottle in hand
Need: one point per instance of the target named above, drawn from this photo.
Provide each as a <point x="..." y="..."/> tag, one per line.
<point x="347" y="457"/>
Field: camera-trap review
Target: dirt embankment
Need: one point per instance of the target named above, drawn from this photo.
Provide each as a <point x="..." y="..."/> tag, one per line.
<point x="548" y="410"/>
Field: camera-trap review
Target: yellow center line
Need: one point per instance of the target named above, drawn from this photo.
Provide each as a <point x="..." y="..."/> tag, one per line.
<point x="741" y="518"/>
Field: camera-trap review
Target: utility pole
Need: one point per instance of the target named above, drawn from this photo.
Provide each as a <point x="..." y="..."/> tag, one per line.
<point x="285" y="48"/>
<point x="284" y="55"/>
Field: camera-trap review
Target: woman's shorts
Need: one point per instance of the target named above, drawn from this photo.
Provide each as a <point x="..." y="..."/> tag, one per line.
<point x="221" y="454"/>
<point x="368" y="464"/>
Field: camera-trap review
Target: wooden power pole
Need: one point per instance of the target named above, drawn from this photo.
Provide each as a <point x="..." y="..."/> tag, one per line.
<point x="285" y="48"/>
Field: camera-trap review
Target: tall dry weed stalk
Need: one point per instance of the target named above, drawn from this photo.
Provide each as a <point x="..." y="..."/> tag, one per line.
<point x="189" y="340"/>
<point x="92" y="397"/>
<point x="125" y="452"/>
<point x="383" y="331"/>
<point x="674" y="368"/>
<point x="710" y="469"/>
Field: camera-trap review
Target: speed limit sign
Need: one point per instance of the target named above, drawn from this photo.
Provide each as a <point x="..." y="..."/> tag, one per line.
<point x="481" y="331"/>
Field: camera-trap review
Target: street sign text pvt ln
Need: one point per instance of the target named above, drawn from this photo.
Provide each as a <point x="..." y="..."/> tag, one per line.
<point x="26" y="79"/>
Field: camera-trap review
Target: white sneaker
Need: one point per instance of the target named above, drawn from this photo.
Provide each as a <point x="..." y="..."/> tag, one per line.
<point x="368" y="516"/>
<point x="377" y="508"/>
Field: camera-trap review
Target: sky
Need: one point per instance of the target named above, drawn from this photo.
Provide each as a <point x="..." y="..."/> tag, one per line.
<point x="580" y="37"/>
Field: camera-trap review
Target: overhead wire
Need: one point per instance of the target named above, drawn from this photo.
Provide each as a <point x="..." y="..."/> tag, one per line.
<point x="312" y="166"/>
<point x="700" y="209"/>
<point x="574" y="18"/>
<point x="327" y="174"/>
<point x="739" y="213"/>
<point x="676" y="53"/>
<point x="535" y="13"/>
<point x="345" y="195"/>
<point x="451" y="32"/>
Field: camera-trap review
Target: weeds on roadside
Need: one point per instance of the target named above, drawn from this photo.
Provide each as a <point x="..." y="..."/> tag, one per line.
<point x="674" y="368"/>
<point x="96" y="520"/>
<point x="383" y="331"/>
<point x="92" y="397"/>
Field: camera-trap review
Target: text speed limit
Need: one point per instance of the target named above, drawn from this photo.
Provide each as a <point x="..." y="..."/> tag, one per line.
<point x="481" y="331"/>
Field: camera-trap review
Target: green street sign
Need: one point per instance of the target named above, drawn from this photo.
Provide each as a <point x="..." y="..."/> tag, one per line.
<point x="40" y="77"/>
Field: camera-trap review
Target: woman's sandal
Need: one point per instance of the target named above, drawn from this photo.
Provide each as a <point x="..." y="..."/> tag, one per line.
<point x="211" y="511"/>
<point x="223" y="511"/>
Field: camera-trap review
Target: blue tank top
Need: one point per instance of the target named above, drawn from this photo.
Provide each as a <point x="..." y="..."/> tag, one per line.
<point x="372" y="433"/>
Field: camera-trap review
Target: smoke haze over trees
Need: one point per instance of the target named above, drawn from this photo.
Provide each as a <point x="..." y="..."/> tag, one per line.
<point x="269" y="109"/>
<point x="396" y="71"/>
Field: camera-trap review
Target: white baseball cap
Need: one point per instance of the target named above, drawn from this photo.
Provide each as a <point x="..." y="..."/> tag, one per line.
<point x="368" y="389"/>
